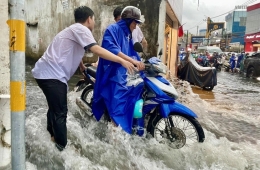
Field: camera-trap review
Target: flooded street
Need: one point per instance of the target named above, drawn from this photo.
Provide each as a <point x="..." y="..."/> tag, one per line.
<point x="230" y="117"/>
<point x="234" y="101"/>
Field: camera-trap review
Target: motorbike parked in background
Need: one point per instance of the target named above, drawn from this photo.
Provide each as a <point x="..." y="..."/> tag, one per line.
<point x="167" y="120"/>
<point x="204" y="77"/>
<point x="218" y="63"/>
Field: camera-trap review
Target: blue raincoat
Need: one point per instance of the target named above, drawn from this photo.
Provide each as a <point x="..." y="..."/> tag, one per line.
<point x="232" y="62"/>
<point x="111" y="92"/>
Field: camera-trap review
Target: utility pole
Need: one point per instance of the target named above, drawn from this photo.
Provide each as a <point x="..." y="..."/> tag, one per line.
<point x="17" y="82"/>
<point x="226" y="40"/>
<point x="197" y="30"/>
<point x="208" y="31"/>
<point x="187" y="39"/>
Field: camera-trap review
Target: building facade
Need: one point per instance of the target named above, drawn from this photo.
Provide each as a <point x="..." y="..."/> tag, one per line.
<point x="162" y="19"/>
<point x="252" y="36"/>
<point x="202" y="32"/>
<point x="238" y="26"/>
<point x="235" y="28"/>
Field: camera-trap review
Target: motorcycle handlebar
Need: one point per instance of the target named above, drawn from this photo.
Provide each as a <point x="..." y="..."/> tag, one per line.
<point x="147" y="66"/>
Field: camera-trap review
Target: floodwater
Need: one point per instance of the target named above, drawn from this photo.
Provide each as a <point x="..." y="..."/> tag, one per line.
<point x="230" y="116"/>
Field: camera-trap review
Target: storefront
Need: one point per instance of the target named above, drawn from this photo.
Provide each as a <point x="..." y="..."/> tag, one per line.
<point x="252" y="42"/>
<point x="252" y="36"/>
<point x="170" y="20"/>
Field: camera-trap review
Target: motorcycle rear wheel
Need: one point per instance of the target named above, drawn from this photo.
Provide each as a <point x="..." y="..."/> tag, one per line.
<point x="177" y="130"/>
<point x="87" y="95"/>
<point x="208" y="88"/>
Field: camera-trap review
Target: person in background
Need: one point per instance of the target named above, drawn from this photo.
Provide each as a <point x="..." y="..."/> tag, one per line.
<point x="240" y="61"/>
<point x="228" y="56"/>
<point x="199" y="59"/>
<point x="60" y="61"/>
<point x="233" y="62"/>
<point x="194" y="55"/>
<point x="242" y="66"/>
<point x="207" y="54"/>
<point x="182" y="55"/>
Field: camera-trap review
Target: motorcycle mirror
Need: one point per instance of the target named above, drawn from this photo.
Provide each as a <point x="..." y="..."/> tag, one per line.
<point x="138" y="47"/>
<point x="160" y="53"/>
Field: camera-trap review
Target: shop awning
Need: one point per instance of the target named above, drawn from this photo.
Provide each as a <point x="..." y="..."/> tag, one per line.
<point x="252" y="37"/>
<point x="256" y="45"/>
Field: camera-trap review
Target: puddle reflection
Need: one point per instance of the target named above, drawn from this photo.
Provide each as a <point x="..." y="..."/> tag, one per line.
<point x="203" y="94"/>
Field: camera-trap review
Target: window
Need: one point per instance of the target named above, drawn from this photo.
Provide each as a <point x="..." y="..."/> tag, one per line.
<point x="242" y="21"/>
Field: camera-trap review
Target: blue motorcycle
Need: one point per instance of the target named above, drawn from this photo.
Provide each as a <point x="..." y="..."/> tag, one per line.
<point x="162" y="116"/>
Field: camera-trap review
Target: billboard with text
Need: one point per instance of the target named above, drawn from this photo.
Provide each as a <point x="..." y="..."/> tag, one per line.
<point x="197" y="39"/>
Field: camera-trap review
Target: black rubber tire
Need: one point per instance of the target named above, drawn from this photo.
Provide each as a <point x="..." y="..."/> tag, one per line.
<point x="219" y="68"/>
<point x="227" y="69"/>
<point x="250" y="72"/>
<point x="208" y="88"/>
<point x="85" y="93"/>
<point x="200" y="133"/>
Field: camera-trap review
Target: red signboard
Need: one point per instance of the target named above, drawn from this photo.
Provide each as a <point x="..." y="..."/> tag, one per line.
<point x="253" y="7"/>
<point x="252" y="37"/>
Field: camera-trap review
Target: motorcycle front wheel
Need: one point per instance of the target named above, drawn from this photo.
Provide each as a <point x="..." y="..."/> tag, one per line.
<point x="177" y="130"/>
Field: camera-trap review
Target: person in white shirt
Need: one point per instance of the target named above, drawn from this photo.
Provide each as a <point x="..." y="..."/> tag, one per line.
<point x="60" y="61"/>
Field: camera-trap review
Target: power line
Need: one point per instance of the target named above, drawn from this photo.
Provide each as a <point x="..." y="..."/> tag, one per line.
<point x="201" y="22"/>
<point x="245" y="3"/>
<point x="221" y="14"/>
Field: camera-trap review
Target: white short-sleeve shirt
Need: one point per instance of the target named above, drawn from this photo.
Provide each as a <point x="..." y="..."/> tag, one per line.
<point x="137" y="35"/>
<point x="63" y="56"/>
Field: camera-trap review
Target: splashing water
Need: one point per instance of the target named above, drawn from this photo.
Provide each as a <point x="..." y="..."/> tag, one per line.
<point x="231" y="143"/>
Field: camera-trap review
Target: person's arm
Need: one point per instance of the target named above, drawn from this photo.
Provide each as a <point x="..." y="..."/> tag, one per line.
<point x="95" y="64"/>
<point x="138" y="64"/>
<point x="81" y="66"/>
<point x="103" y="53"/>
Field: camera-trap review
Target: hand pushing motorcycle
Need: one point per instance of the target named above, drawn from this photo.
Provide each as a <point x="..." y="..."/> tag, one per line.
<point x="157" y="111"/>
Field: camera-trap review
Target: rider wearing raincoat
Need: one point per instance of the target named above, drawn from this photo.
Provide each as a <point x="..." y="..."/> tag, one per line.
<point x="112" y="91"/>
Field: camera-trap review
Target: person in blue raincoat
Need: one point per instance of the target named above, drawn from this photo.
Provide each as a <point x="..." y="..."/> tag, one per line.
<point x="240" y="61"/>
<point x="112" y="92"/>
<point x="232" y="62"/>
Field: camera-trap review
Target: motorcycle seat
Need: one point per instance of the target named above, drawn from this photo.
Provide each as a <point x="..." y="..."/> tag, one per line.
<point x="91" y="70"/>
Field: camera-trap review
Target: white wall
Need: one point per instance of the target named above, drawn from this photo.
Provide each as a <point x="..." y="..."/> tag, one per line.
<point x="53" y="16"/>
<point x="253" y="21"/>
<point x="177" y="7"/>
<point x="161" y="29"/>
<point x="5" y="129"/>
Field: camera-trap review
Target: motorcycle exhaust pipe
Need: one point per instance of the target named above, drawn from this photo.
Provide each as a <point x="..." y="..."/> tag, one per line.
<point x="84" y="106"/>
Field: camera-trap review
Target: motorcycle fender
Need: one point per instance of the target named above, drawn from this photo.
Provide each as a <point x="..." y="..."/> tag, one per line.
<point x="80" y="82"/>
<point x="167" y="108"/>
